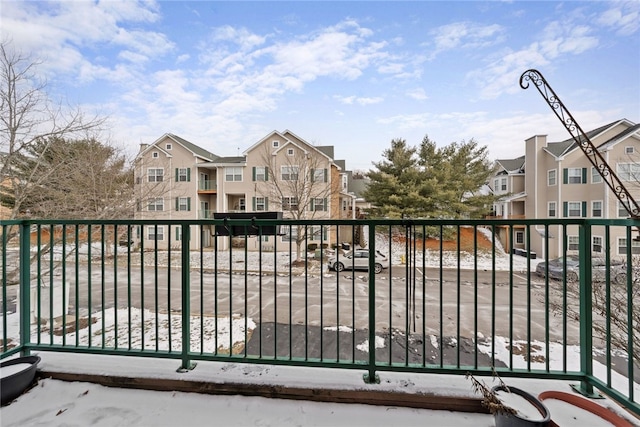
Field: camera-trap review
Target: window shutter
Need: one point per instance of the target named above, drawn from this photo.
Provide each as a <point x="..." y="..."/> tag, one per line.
<point x="565" y="209"/>
<point x="312" y="205"/>
<point x="266" y="173"/>
<point x="325" y="175"/>
<point x="266" y="203"/>
<point x="584" y="175"/>
<point x="177" y="172"/>
<point x="177" y="203"/>
<point x="188" y="174"/>
<point x="189" y="204"/>
<point x="178" y="233"/>
<point x="312" y="174"/>
<point x="584" y="209"/>
<point x="565" y="176"/>
<point x="253" y="203"/>
<point x="253" y="173"/>
<point x="326" y="208"/>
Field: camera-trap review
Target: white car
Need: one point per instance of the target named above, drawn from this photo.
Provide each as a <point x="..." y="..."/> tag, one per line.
<point x="357" y="260"/>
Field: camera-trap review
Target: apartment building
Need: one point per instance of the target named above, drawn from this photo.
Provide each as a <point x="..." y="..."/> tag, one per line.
<point x="556" y="180"/>
<point x="176" y="179"/>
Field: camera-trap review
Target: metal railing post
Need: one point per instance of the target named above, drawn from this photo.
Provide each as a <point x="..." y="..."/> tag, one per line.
<point x="186" y="365"/>
<point x="586" y="314"/>
<point x="25" y="288"/>
<point x="371" y="377"/>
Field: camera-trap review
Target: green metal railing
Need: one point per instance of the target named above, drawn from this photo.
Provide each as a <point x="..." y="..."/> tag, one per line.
<point x="450" y="301"/>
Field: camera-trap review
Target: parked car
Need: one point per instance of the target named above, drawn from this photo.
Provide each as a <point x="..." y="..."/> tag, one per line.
<point x="555" y="269"/>
<point x="358" y="260"/>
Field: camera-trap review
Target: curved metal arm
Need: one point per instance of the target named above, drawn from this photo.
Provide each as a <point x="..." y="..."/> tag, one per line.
<point x="581" y="138"/>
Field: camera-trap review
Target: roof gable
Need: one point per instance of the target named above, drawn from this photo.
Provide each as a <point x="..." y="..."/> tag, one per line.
<point x="560" y="149"/>
<point x="512" y="165"/>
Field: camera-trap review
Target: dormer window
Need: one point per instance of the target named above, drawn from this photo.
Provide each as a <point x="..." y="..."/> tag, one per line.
<point x="275" y="144"/>
<point x="168" y="147"/>
<point x="155" y="155"/>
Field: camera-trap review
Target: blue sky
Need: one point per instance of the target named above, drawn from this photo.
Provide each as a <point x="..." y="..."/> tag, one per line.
<point x="350" y="74"/>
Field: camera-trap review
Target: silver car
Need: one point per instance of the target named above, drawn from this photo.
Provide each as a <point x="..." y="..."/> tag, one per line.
<point x="555" y="269"/>
<point x="357" y="260"/>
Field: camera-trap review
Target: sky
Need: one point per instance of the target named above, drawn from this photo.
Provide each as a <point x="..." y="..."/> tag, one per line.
<point x="354" y="75"/>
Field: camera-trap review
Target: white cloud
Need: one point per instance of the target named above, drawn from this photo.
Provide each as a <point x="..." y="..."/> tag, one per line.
<point x="417" y="94"/>
<point x="624" y="17"/>
<point x="350" y="100"/>
<point x="465" y="35"/>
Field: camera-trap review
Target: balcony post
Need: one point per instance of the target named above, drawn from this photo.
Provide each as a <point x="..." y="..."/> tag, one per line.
<point x="24" y="303"/>
<point x="186" y="365"/>
<point x="586" y="315"/>
<point x="371" y="377"/>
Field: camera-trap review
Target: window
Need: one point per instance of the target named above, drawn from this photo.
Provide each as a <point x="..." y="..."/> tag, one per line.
<point x="155" y="232"/>
<point x="496" y="184"/>
<point x="260" y="204"/>
<point x="233" y="174"/>
<point x="318" y="233"/>
<point x="291" y="233"/>
<point x="156" y="204"/>
<point x="183" y="203"/>
<point x="551" y="178"/>
<point x="289" y="173"/>
<point x="260" y="173"/>
<point x="318" y="204"/>
<point x="629" y="171"/>
<point x="503" y="184"/>
<point x="552" y="209"/>
<point x="178" y="234"/>
<point x="169" y="147"/>
<point x="622" y="210"/>
<point x="622" y="246"/>
<point x="290" y="152"/>
<point x="183" y="174"/>
<point x="318" y="175"/>
<point x="345" y="181"/>
<point x="242" y="205"/>
<point x="628" y="150"/>
<point x="275" y="144"/>
<point x="155" y="155"/>
<point x="574" y="243"/>
<point x="520" y="237"/>
<point x="573" y="209"/>
<point x="574" y="176"/>
<point x="289" y="203"/>
<point x="155" y="175"/>
<point x="596" y="244"/>
<point x="596" y="209"/>
<point x="596" y="178"/>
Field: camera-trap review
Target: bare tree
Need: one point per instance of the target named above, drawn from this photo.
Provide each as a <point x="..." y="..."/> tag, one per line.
<point x="28" y="117"/>
<point x="299" y="182"/>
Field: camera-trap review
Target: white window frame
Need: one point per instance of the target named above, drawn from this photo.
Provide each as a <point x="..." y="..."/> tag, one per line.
<point x="290" y="203"/>
<point x="151" y="230"/>
<point x="183" y="203"/>
<point x="552" y="177"/>
<point x="597" y="243"/>
<point x="573" y="243"/>
<point x="275" y="144"/>
<point x="155" y="174"/>
<point x="622" y="211"/>
<point x="233" y="172"/>
<point x="574" y="175"/>
<point x="155" y="154"/>
<point x="168" y="147"/>
<point x="622" y="246"/>
<point x="289" y="173"/>
<point x="318" y="175"/>
<point x="291" y="233"/>
<point x="319" y="201"/>
<point x="629" y="150"/>
<point x="261" y="173"/>
<point x="178" y="234"/>
<point x="519" y="237"/>
<point x="596" y="178"/>
<point x="183" y="174"/>
<point x="156" y="202"/>
<point x="552" y="207"/>
<point x="261" y="203"/>
<point x="569" y="210"/>
<point x="594" y="209"/>
<point x="290" y="152"/>
<point x="503" y="184"/>
<point x="628" y="171"/>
